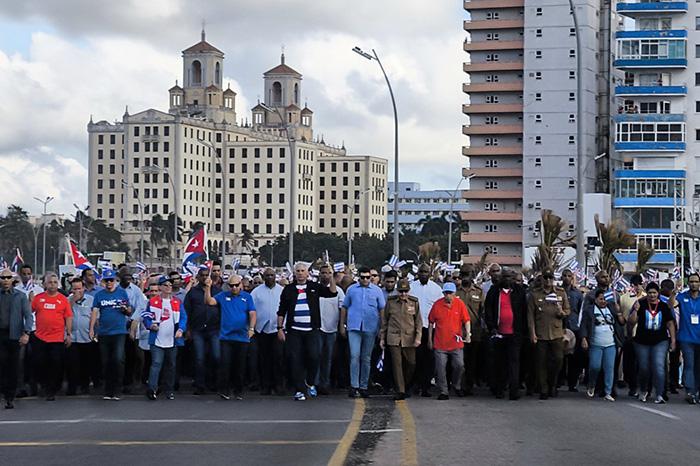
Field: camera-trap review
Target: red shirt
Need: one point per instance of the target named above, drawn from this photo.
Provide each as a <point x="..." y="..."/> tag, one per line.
<point x="505" y="320"/>
<point x="51" y="313"/>
<point x="449" y="321"/>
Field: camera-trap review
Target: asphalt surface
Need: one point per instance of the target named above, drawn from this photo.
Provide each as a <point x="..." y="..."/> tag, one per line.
<point x="336" y="430"/>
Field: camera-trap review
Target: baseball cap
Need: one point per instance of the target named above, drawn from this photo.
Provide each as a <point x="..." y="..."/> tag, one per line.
<point x="449" y="287"/>
<point x="109" y="274"/>
<point x="164" y="279"/>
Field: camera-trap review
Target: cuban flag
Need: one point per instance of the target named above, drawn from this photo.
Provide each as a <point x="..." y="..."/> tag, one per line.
<point x="3" y="263"/>
<point x="622" y="284"/>
<point x="141" y="266"/>
<point x="338" y="267"/>
<point x="79" y="260"/>
<point x="676" y="274"/>
<point x="196" y="247"/>
<point x="236" y="264"/>
<point x="393" y="260"/>
<point x="17" y="262"/>
<point x="652" y="275"/>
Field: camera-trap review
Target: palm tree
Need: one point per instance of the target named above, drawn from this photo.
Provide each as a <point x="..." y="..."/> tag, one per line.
<point x="644" y="254"/>
<point x="549" y="252"/>
<point x="613" y="237"/>
<point x="246" y="240"/>
<point x="159" y="228"/>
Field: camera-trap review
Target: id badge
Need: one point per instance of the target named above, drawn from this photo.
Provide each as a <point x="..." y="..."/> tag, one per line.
<point x="694" y="319"/>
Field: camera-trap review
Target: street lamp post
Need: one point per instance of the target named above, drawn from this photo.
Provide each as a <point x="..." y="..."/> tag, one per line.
<point x="45" y="202"/>
<point x="374" y="56"/>
<point x="352" y="216"/>
<point x="138" y="199"/>
<point x="222" y="159"/>
<point x="580" y="169"/>
<point x="79" y="216"/>
<point x="158" y="168"/>
<point x="453" y="195"/>
<point x="292" y="180"/>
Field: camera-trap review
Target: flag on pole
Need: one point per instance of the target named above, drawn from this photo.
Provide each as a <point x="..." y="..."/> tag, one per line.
<point x="393" y="260"/>
<point x="196" y="247"/>
<point x="676" y="274"/>
<point x="652" y="275"/>
<point x="236" y="264"/>
<point x="3" y="263"/>
<point x="141" y="266"/>
<point x="17" y="262"/>
<point x="79" y="260"/>
<point x="339" y="267"/>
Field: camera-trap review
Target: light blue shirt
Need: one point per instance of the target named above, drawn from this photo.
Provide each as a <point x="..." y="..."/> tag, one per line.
<point x="267" y="303"/>
<point x="689" y="321"/>
<point x="364" y="304"/>
<point x="137" y="300"/>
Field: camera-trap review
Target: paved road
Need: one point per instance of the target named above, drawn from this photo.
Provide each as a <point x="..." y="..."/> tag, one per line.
<point x="336" y="430"/>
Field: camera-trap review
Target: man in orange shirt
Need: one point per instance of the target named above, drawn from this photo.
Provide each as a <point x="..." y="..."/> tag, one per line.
<point x="54" y="324"/>
<point x="448" y="321"/>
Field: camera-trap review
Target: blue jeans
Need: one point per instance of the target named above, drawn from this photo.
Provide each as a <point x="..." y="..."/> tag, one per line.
<point x="652" y="361"/>
<point x="200" y="340"/>
<point x="162" y="358"/>
<point x="604" y="357"/>
<point x="112" y="355"/>
<point x="361" y="345"/>
<point x="691" y="367"/>
<point x="323" y="377"/>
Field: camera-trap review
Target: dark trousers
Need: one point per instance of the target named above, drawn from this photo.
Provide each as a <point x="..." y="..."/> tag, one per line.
<point x="83" y="366"/>
<point x="112" y="355"/>
<point x="303" y="350"/>
<point x="550" y="355"/>
<point x="404" y="364"/>
<point x="207" y="355"/>
<point x="233" y="365"/>
<point x="575" y="363"/>
<point x="528" y="365"/>
<point x="674" y="369"/>
<point x="270" y="361"/>
<point x="425" y="364"/>
<point x="133" y="363"/>
<point x="506" y="364"/>
<point x="340" y="369"/>
<point x="471" y="364"/>
<point x="629" y="365"/>
<point x="9" y="359"/>
<point x="252" y="373"/>
<point x="49" y="365"/>
<point x="25" y="369"/>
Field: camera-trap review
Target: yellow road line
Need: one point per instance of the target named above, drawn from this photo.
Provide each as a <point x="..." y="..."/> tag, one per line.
<point x="343" y="448"/>
<point x="408" y="440"/>
<point x="110" y="443"/>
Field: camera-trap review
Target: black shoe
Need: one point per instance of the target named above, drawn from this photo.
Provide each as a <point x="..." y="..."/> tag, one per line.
<point x="665" y="396"/>
<point x="126" y="391"/>
<point x="364" y="393"/>
<point x="399" y="396"/>
<point x="354" y="393"/>
<point x="224" y="396"/>
<point x="514" y="396"/>
<point x="544" y="396"/>
<point x="443" y="396"/>
<point x="461" y="393"/>
<point x="9" y="404"/>
<point x="51" y="398"/>
<point x="171" y="396"/>
<point x="426" y="393"/>
<point x="151" y="395"/>
<point x="324" y="391"/>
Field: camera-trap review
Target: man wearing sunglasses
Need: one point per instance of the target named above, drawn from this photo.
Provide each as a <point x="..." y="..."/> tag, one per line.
<point x="238" y="319"/>
<point x="110" y="313"/>
<point x="270" y="350"/>
<point x="16" y="322"/>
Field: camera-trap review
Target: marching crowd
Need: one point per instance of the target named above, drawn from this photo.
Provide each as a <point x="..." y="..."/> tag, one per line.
<point x="367" y="332"/>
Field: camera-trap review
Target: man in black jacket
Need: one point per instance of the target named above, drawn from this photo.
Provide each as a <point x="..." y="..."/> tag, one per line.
<point x="505" y="312"/>
<point x="299" y="305"/>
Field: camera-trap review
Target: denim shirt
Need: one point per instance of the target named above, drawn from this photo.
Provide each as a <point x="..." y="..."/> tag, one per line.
<point x="364" y="304"/>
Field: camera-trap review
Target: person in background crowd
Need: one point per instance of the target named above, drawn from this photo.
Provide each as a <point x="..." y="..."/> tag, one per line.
<point x="689" y="337"/>
<point x="237" y="327"/>
<point x="575" y="362"/>
<point x="667" y="295"/>
<point x="427" y="292"/>
<point x="54" y="320"/>
<point x="204" y="326"/>
<point x="16" y="321"/>
<point x="360" y="318"/>
<point x="401" y="330"/>
<point x="133" y="365"/>
<point x="217" y="280"/>
<point x="330" y="320"/>
<point x="492" y="276"/>
<point x="110" y="312"/>
<point x="628" y="301"/>
<point x="164" y="318"/>
<point x="179" y="290"/>
<point x="27" y="284"/>
<point x="375" y="278"/>
<point x="548" y="307"/>
<point x="389" y="284"/>
<point x="270" y="350"/>
<point x="142" y="334"/>
<point x="83" y="354"/>
<point x="599" y="328"/>
<point x="505" y="312"/>
<point x="448" y="322"/>
<point x="27" y="381"/>
<point x="655" y="324"/>
<point x="90" y="282"/>
<point x="300" y="315"/>
<point x="472" y="295"/>
<point x="246" y="284"/>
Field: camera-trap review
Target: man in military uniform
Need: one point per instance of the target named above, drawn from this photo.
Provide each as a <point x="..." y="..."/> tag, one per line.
<point x="472" y="295"/>
<point x="547" y="307"/>
<point x="401" y="331"/>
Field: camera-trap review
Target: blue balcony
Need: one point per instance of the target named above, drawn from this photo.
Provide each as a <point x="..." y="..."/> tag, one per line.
<point x="639" y="146"/>
<point x="653" y="34"/>
<point x="650" y="90"/>
<point x="651" y="63"/>
<point x="637" y="8"/>
<point x="645" y="174"/>
<point x="622" y="202"/>
<point x="649" y="117"/>
<point x="658" y="258"/>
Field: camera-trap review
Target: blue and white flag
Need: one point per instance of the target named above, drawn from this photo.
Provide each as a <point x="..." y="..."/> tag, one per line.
<point x="651" y="275"/>
<point x="393" y="260"/>
<point x="676" y="273"/>
<point x="141" y="266"/>
<point x="236" y="264"/>
<point x="339" y="267"/>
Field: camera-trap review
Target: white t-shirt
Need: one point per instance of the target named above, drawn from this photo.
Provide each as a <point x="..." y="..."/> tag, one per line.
<point x="330" y="311"/>
<point x="165" y="338"/>
<point x="427" y="295"/>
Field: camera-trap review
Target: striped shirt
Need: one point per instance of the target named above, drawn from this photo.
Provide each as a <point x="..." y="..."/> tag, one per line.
<point x="302" y="313"/>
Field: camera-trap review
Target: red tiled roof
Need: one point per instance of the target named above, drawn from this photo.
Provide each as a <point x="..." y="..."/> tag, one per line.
<point x="202" y="46"/>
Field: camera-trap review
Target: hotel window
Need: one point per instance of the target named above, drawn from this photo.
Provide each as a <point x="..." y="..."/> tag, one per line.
<point x="491" y="99"/>
<point x="572" y="118"/>
<point x="538" y="118"/>
<point x="492" y="36"/>
<point x="538" y="53"/>
<point x="572" y="32"/>
<point x="538" y="161"/>
<point x="492" y="15"/>
<point x="491" y="163"/>
<point x="491" y="250"/>
<point x="572" y="205"/>
<point x="572" y="184"/>
<point x="538" y="139"/>
<point x="572" y="162"/>
<point x="491" y="185"/>
<point x="572" y="74"/>
<point x="491" y="120"/>
<point x="492" y="57"/>
<point x="490" y="228"/>
<point x="572" y="96"/>
<point x="538" y="11"/>
<point x="538" y="32"/>
<point x="572" y="53"/>
<point x="538" y="75"/>
<point x="538" y="97"/>
<point x="538" y="184"/>
<point x="491" y="78"/>
<point x="538" y="205"/>
<point x="491" y="142"/>
<point x="572" y="139"/>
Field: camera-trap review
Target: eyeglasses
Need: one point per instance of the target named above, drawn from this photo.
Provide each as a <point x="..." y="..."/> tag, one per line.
<point x="234" y="284"/>
<point x="403" y="291"/>
<point x="375" y="274"/>
<point x="364" y="277"/>
<point x="6" y="277"/>
<point x="166" y="284"/>
<point x="109" y="279"/>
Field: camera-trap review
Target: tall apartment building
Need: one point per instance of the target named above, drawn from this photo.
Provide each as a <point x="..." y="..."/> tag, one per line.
<point x="522" y="111"/>
<point x="657" y="184"/>
<point x="197" y="160"/>
<point x="416" y="204"/>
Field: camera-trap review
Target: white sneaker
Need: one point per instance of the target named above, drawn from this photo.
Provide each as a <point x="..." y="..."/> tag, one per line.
<point x="659" y="400"/>
<point x="299" y="396"/>
<point x="609" y="398"/>
<point x="590" y="392"/>
<point x="643" y="397"/>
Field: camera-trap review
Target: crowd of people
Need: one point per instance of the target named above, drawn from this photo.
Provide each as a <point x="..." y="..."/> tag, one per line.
<point x="365" y="331"/>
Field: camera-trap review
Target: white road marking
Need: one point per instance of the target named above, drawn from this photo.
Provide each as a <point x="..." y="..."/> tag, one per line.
<point x="380" y="431"/>
<point x="175" y="421"/>
<point x="655" y="411"/>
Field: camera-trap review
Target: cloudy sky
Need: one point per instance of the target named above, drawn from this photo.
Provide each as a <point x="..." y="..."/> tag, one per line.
<point x="62" y="61"/>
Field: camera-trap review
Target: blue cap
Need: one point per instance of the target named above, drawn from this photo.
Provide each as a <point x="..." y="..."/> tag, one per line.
<point x="449" y="287"/>
<point x="109" y="274"/>
<point x="163" y="279"/>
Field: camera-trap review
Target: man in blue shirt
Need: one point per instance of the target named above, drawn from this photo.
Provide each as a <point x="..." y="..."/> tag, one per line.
<point x="237" y="326"/>
<point x="110" y="312"/>
<point x="360" y="317"/>
<point x="689" y="336"/>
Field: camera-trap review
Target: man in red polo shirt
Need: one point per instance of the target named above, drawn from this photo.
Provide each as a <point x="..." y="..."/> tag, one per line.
<point x="54" y="322"/>
<point x="448" y="321"/>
